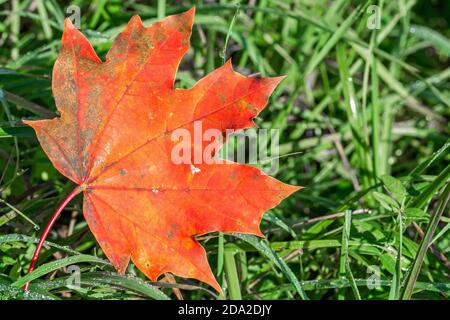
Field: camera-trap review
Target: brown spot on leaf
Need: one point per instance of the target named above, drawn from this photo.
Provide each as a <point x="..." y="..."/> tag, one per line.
<point x="172" y="229"/>
<point x="222" y="97"/>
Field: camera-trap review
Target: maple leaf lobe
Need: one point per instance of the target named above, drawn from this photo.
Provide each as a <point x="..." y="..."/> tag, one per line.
<point x="113" y="139"/>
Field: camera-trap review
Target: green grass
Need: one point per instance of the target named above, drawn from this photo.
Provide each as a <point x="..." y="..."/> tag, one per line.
<point x="363" y="119"/>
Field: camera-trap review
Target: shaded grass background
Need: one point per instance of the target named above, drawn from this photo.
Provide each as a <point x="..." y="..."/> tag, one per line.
<point x="358" y="107"/>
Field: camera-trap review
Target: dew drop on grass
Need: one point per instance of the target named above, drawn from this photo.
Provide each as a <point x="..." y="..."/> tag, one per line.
<point x="44" y="176"/>
<point x="26" y="294"/>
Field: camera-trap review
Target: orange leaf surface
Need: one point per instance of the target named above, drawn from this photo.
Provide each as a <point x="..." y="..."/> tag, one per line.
<point x="113" y="139"/>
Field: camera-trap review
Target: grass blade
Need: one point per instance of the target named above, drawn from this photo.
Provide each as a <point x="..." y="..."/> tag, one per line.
<point x="412" y="276"/>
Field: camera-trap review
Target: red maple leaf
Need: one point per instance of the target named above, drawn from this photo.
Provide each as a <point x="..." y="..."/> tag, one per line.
<point x="114" y="140"/>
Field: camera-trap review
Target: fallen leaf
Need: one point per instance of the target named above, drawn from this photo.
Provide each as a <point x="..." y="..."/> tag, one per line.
<point x="113" y="139"/>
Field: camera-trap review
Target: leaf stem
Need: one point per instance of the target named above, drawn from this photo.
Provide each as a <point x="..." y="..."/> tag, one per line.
<point x="48" y="228"/>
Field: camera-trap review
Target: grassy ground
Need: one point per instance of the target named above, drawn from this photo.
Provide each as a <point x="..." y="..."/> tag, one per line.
<point x="360" y="106"/>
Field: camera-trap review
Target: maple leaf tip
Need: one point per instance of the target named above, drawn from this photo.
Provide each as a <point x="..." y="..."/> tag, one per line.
<point x="135" y="19"/>
<point x="68" y="31"/>
<point x="290" y="189"/>
<point x="276" y="80"/>
<point x="189" y="16"/>
<point x="229" y="64"/>
<point x="68" y="25"/>
<point x="71" y="36"/>
<point x="259" y="232"/>
<point x="33" y="123"/>
<point x="29" y="123"/>
<point x="280" y="78"/>
<point x="213" y="283"/>
<point x="190" y="12"/>
<point x="219" y="289"/>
